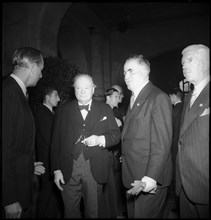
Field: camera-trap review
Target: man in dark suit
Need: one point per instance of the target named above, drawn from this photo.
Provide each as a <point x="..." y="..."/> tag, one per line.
<point x="18" y="134"/>
<point x="83" y="130"/>
<point x="146" y="142"/>
<point x="49" y="201"/>
<point x="192" y="164"/>
<point x="176" y="96"/>
<point x="114" y="188"/>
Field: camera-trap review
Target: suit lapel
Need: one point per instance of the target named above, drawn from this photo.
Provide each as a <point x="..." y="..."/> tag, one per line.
<point x="197" y="108"/>
<point x="137" y="105"/>
<point x="93" y="114"/>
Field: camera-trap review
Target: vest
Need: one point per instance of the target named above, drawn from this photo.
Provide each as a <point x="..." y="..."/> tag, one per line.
<point x="82" y="128"/>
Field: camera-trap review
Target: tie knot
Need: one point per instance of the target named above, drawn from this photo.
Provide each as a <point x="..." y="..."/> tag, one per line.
<point x="81" y="107"/>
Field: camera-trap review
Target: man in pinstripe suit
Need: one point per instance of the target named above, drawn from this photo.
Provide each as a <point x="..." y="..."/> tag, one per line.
<point x="192" y="164"/>
<point x="18" y="134"/>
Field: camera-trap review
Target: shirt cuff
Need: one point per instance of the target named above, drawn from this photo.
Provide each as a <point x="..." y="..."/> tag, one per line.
<point x="102" y="141"/>
<point x="149" y="180"/>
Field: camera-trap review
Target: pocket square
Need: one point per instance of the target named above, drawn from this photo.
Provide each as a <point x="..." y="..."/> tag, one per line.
<point x="104" y="118"/>
<point x="206" y="112"/>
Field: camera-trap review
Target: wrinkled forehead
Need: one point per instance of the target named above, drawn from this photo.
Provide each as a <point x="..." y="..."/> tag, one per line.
<point x="131" y="62"/>
<point x="84" y="81"/>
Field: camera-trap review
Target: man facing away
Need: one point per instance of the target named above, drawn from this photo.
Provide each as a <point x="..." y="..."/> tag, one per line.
<point x="83" y="130"/>
<point x="146" y="142"/>
<point x="18" y="134"/>
<point x="192" y="163"/>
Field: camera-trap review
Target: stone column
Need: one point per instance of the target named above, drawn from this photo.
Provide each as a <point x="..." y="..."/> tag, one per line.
<point x="96" y="37"/>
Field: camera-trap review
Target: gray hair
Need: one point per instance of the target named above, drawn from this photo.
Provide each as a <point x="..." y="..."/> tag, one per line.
<point x="25" y="55"/>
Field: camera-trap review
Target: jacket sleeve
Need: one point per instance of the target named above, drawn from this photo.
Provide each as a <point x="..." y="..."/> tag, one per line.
<point x="9" y="146"/>
<point x="112" y="136"/>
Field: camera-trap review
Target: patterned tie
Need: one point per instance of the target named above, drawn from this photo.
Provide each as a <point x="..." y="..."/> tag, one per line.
<point x="193" y="98"/>
<point x="81" y="107"/>
<point x="132" y="100"/>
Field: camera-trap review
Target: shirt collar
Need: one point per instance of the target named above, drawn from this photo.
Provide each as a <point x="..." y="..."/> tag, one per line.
<point x="20" y="83"/>
<point x="49" y="107"/>
<point x="177" y="102"/>
<point x="199" y="87"/>
<point x="138" y="90"/>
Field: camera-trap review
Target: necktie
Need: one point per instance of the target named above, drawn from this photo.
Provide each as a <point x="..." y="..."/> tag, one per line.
<point x="132" y="100"/>
<point x="193" y="98"/>
<point x="81" y="107"/>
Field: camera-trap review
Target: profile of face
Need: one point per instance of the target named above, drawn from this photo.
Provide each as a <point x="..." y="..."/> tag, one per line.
<point x="134" y="74"/>
<point x="195" y="63"/>
<point x="84" y="89"/>
<point x="53" y="98"/>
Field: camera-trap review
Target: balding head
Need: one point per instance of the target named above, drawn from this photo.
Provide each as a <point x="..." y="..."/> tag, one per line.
<point x="84" y="88"/>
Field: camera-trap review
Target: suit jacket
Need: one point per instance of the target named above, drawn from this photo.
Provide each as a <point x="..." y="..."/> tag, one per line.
<point x="193" y="149"/>
<point x="44" y="124"/>
<point x="102" y="122"/>
<point x="146" y="138"/>
<point x="18" y="136"/>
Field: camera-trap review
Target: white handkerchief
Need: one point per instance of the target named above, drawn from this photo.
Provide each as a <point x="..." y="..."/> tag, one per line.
<point x="104" y="118"/>
<point x="205" y="112"/>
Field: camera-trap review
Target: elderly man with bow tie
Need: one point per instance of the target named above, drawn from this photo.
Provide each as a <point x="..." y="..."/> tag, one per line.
<point x="84" y="129"/>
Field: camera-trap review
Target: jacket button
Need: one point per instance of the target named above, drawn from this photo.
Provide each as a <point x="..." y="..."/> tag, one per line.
<point x="179" y="143"/>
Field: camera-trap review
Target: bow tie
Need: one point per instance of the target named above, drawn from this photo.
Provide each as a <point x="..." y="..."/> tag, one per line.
<point x="81" y="107"/>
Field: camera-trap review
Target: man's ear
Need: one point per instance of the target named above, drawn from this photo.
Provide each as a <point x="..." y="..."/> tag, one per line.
<point x="33" y="67"/>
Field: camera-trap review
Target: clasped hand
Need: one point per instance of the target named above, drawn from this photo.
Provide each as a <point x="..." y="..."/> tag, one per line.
<point x="139" y="186"/>
<point x="39" y="168"/>
<point x="92" y="141"/>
